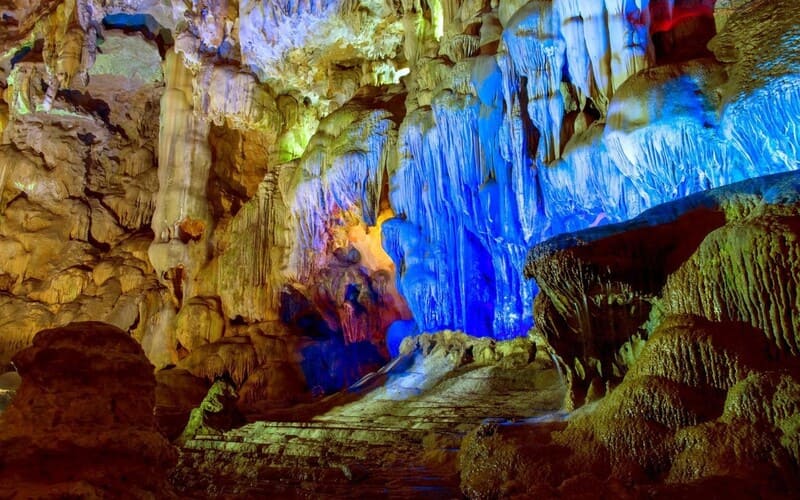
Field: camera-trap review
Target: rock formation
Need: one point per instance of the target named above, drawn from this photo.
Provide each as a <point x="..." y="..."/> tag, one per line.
<point x="726" y="254"/>
<point x="81" y="423"/>
<point x="279" y="193"/>
<point x="711" y="416"/>
<point x="178" y="392"/>
<point x="674" y="312"/>
<point x="395" y="430"/>
<point x="254" y="154"/>
<point x="216" y="414"/>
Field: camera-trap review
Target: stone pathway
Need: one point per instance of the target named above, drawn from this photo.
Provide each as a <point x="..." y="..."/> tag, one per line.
<point x="399" y="439"/>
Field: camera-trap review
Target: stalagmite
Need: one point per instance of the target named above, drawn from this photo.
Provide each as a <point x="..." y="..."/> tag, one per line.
<point x="288" y="194"/>
<point x="184" y="164"/>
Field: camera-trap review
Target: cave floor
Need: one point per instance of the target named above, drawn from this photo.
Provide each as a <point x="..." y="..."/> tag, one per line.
<point x="398" y="438"/>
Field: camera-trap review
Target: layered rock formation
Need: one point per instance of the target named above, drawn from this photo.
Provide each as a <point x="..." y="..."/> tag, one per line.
<point x="727" y="255"/>
<point x="79" y="184"/>
<point x="278" y="193"/>
<point x="262" y="156"/>
<point x="81" y="423"/>
<point x="673" y="311"/>
<point x="702" y="412"/>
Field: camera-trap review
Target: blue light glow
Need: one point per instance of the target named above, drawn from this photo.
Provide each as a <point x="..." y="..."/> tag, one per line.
<point x="483" y="177"/>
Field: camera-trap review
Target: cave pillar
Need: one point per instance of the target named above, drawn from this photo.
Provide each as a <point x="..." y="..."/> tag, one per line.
<point x="182" y="220"/>
<point x="629" y="37"/>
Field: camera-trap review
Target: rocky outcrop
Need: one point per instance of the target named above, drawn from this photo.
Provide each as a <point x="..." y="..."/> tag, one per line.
<point x="119" y="289"/>
<point x="745" y="271"/>
<point x="82" y="421"/>
<point x="195" y="173"/>
<point x="693" y="411"/>
<point x="78" y="185"/>
<point x="595" y="295"/>
<point x="718" y="255"/>
<point x="695" y="366"/>
<point x="216" y="414"/>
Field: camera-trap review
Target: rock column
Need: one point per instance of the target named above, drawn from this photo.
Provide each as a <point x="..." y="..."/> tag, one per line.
<point x="182" y="221"/>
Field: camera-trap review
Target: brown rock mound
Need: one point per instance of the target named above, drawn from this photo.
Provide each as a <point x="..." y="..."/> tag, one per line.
<point x="82" y="424"/>
<point x="747" y="270"/>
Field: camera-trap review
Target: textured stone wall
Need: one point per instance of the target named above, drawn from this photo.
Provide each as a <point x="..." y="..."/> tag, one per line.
<point x="726" y="254"/>
<point x="687" y="383"/>
<point x="326" y="172"/>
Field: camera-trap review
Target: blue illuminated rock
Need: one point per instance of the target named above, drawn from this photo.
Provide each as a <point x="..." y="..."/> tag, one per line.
<point x="488" y="172"/>
<point x="436" y="142"/>
<point x="318" y="181"/>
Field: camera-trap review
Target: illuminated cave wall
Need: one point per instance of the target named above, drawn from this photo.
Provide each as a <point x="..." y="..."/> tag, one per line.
<point x="204" y="175"/>
<point x="585" y="115"/>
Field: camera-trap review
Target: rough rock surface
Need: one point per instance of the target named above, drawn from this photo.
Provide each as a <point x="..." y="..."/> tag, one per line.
<point x="691" y="420"/>
<point x="216" y="414"/>
<point x="280" y="192"/>
<point x="395" y="433"/>
<point x="178" y="392"/>
<point x="81" y="423"/>
<point x="727" y="254"/>
<point x="700" y="388"/>
<point x="390" y="162"/>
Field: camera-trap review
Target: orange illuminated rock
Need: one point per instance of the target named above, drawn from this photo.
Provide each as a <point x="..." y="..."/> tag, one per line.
<point x="191" y="229"/>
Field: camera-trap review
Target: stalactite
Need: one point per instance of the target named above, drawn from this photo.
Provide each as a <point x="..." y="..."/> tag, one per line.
<point x="63" y="46"/>
<point x="342" y="169"/>
<point x="5" y="167"/>
<point x="629" y="37"/>
<point x="226" y="94"/>
<point x="232" y="356"/>
<point x="251" y="270"/>
<point x="89" y="16"/>
<point x="184" y="161"/>
<point x="459" y="241"/>
<point x="537" y="52"/>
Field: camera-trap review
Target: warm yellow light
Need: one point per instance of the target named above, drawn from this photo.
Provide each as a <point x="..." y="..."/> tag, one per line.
<point x="367" y="240"/>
